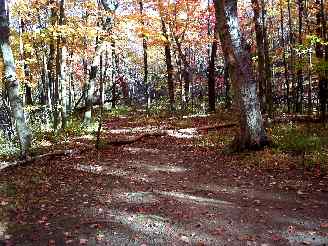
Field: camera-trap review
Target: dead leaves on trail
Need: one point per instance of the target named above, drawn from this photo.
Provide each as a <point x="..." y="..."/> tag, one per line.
<point x="197" y="194"/>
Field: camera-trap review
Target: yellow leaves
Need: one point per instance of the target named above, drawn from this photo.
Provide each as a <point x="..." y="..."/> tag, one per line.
<point x="28" y="48"/>
<point x="163" y="38"/>
<point x="89" y="5"/>
<point x="20" y="73"/>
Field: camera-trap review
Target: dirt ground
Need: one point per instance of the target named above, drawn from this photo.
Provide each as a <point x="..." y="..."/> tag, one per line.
<point x="162" y="190"/>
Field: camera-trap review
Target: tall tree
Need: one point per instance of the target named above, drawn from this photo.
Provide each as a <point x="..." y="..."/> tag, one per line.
<point x="260" y="51"/>
<point x="168" y="62"/>
<point x="17" y="111"/>
<point x="62" y="67"/>
<point x="252" y="133"/>
<point x="51" y="67"/>
<point x="284" y="57"/>
<point x="211" y="71"/>
<point x="22" y="54"/>
<point x="322" y="54"/>
<point x="109" y="6"/>
<point x="145" y="54"/>
<point x="267" y="61"/>
<point x="299" y="72"/>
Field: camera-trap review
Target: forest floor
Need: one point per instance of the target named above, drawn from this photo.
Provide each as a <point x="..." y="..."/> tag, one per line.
<point x="163" y="190"/>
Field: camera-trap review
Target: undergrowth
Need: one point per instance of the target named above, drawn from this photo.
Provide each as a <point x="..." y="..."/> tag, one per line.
<point x="309" y="142"/>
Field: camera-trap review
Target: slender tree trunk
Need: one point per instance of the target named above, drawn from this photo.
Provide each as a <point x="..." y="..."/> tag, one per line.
<point x="320" y="50"/>
<point x="28" y="89"/>
<point x="252" y="133"/>
<point x="284" y="57"/>
<point x="17" y="111"/>
<point x="299" y="98"/>
<point x="52" y="81"/>
<point x="61" y="68"/>
<point x="169" y="66"/>
<point x="267" y="63"/>
<point x="115" y="71"/>
<point x="185" y="72"/>
<point x="90" y="87"/>
<point x="145" y="57"/>
<point x="211" y="72"/>
<point x="227" y="84"/>
<point x="28" y="95"/>
<point x="310" y="66"/>
<point x="101" y="104"/>
<point x="260" y="53"/>
<point x="292" y="53"/>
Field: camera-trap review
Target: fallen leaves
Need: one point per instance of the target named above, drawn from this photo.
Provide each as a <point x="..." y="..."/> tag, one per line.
<point x="83" y="241"/>
<point x="324" y="225"/>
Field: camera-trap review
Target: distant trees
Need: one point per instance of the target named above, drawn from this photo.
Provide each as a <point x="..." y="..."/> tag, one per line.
<point x="322" y="54"/>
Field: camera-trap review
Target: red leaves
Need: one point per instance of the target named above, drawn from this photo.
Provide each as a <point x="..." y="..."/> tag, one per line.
<point x="324" y="225"/>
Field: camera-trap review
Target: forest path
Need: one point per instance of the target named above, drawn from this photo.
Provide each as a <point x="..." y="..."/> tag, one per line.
<point x="160" y="191"/>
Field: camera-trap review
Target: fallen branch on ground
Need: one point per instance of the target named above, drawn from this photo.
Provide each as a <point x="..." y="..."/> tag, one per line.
<point x="216" y="127"/>
<point x="133" y="139"/>
<point x="4" y="165"/>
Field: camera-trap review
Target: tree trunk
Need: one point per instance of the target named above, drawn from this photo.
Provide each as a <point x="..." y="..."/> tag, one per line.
<point x="101" y="104"/>
<point x="299" y="98"/>
<point x="284" y="57"/>
<point x="145" y="57"/>
<point x="260" y="53"/>
<point x="61" y="68"/>
<point x="252" y="134"/>
<point x="51" y="65"/>
<point x="227" y="84"/>
<point x="90" y="88"/>
<point x="115" y="71"/>
<point x="169" y="66"/>
<point x="17" y="111"/>
<point x="267" y="63"/>
<point x="28" y="89"/>
<point x="320" y="50"/>
<point x="292" y="52"/>
<point x="211" y="72"/>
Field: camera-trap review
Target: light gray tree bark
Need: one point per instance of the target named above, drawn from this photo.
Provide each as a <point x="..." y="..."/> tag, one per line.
<point x="15" y="100"/>
<point x="252" y="134"/>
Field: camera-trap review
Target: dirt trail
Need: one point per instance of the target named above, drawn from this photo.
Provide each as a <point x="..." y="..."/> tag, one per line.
<point x="161" y="191"/>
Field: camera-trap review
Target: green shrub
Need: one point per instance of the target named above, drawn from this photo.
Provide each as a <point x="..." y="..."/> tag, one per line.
<point x="296" y="139"/>
<point x="118" y="111"/>
<point x="310" y="143"/>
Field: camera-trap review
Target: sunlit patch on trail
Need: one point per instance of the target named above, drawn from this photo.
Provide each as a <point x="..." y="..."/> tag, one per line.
<point x="3" y="229"/>
<point x="86" y="137"/>
<point x="115" y="171"/>
<point x="89" y="168"/>
<point x="194" y="199"/>
<point x="216" y="188"/>
<point x="159" y="168"/>
<point x="177" y="133"/>
<point x="141" y="150"/>
<point x="157" y="228"/>
<point x="158" y="152"/>
<point x="246" y="192"/>
<point x="183" y="133"/>
<point x="136" y="197"/>
<point x="166" y="168"/>
<point x="305" y="223"/>
<point x="306" y="238"/>
<point x="195" y="116"/>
